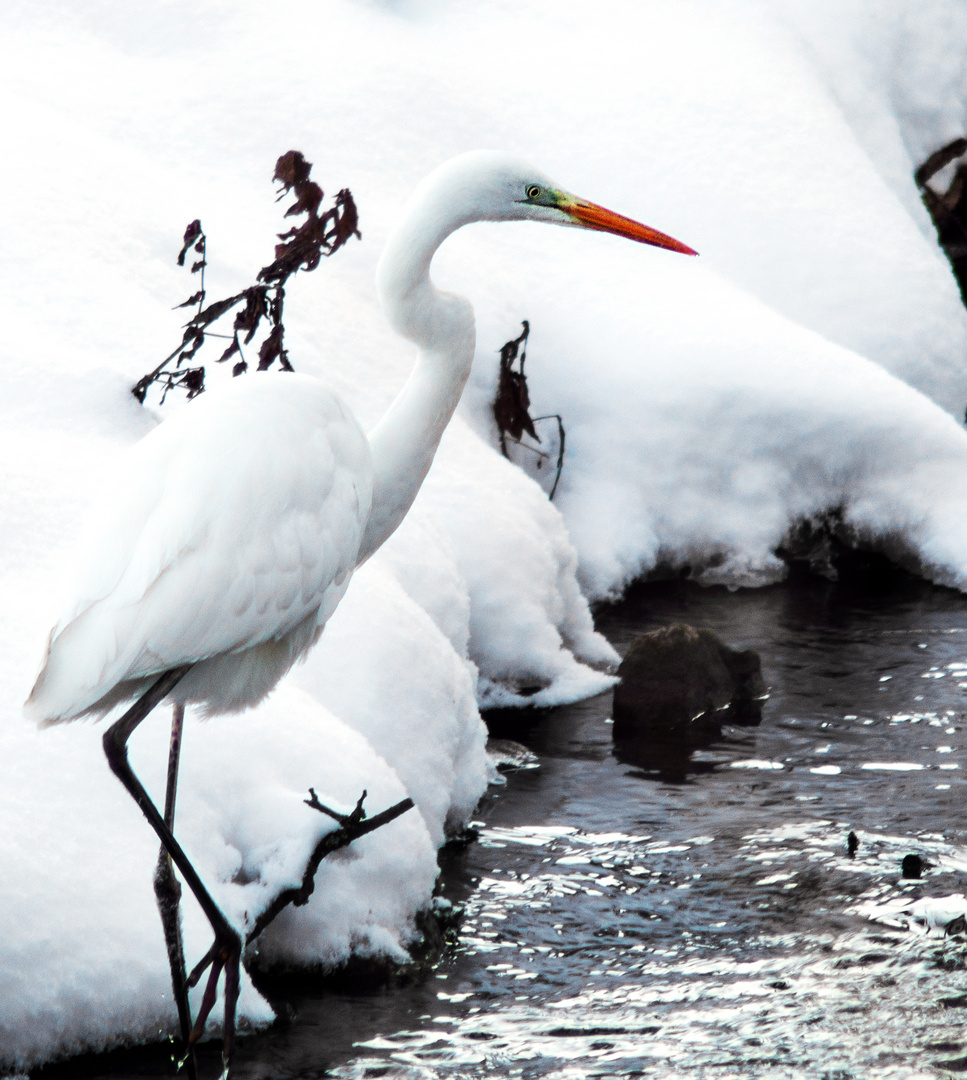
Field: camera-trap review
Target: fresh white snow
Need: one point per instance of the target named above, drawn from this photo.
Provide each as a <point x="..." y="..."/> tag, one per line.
<point x="813" y="358"/>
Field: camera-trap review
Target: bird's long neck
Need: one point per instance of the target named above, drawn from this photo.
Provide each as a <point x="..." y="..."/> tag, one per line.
<point x="441" y="324"/>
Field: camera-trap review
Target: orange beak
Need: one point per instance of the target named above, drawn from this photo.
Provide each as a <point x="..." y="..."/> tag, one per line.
<point x="593" y="216"/>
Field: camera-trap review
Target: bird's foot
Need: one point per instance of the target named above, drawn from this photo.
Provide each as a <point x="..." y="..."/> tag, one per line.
<point x="224" y="955"/>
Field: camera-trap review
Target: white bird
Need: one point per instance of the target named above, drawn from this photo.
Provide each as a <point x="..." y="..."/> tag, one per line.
<point x="237" y="524"/>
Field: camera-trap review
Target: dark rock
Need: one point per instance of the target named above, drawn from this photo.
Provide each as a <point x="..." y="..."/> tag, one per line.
<point x="913" y="865"/>
<point x="825" y="546"/>
<point x="678" y="685"/>
<point x="677" y="676"/>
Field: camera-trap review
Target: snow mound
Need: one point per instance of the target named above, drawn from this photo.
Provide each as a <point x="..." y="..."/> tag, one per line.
<point x="738" y="423"/>
<point x="812" y="360"/>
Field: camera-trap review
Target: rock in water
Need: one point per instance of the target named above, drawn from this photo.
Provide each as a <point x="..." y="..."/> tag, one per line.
<point x="676" y="685"/>
<point x="508" y="754"/>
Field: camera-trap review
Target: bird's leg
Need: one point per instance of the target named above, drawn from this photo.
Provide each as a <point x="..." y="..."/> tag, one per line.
<point x="167" y="892"/>
<point x="226" y="952"/>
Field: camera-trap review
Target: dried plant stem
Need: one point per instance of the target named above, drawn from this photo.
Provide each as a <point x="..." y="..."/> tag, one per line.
<point x="352" y="827"/>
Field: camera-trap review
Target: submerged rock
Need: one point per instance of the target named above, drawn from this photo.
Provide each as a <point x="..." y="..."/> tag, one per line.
<point x="678" y="685"/>
<point x="508" y="754"/>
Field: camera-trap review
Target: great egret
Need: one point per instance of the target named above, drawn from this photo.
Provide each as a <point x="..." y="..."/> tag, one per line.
<point x="238" y="523"/>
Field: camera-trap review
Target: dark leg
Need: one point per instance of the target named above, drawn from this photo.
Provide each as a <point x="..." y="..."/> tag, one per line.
<point x="227" y="950"/>
<point x="167" y="891"/>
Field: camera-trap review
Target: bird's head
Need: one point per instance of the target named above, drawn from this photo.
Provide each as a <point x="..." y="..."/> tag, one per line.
<point x="483" y="185"/>
<point x="493" y="186"/>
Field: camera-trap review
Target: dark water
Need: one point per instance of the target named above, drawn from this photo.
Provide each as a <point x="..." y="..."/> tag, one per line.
<point x="619" y="925"/>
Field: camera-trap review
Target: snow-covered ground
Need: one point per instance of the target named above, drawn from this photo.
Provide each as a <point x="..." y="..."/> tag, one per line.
<point x="812" y="359"/>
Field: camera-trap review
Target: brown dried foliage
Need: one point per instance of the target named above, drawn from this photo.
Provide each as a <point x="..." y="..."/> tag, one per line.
<point x="511" y="405"/>
<point x="302" y="248"/>
<point x="948" y="208"/>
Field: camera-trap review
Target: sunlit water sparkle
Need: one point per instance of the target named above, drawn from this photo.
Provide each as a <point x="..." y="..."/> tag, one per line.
<point x="620" y="925"/>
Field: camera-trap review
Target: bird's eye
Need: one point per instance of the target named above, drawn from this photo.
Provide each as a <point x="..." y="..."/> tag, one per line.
<point x="533" y="191"/>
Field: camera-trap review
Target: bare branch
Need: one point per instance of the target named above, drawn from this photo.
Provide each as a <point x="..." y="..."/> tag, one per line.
<point x="352" y="827"/>
<point x="938" y="159"/>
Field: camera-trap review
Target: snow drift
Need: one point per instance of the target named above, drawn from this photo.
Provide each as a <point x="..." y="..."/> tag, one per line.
<point x="811" y="360"/>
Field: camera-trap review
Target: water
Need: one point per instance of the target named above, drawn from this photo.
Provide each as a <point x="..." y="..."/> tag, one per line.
<point x="617" y="924"/>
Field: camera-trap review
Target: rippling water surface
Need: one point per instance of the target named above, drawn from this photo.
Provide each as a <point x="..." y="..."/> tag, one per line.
<point x="620" y="925"/>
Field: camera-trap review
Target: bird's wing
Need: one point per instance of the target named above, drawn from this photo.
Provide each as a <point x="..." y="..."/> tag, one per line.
<point x="235" y="521"/>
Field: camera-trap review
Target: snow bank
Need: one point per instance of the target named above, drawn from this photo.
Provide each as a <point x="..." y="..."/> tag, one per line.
<point x="811" y="359"/>
<point x="739" y="423"/>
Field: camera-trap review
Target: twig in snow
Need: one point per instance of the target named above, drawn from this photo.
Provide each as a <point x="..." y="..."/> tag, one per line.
<point x="351" y="827"/>
<point x="939" y="159"/>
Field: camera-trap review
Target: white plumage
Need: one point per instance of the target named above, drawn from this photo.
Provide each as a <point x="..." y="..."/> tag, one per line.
<point x="234" y="529"/>
<point x="227" y="541"/>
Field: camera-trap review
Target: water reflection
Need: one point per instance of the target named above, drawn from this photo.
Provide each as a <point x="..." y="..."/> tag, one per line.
<point x="712" y="912"/>
<point x="674" y="754"/>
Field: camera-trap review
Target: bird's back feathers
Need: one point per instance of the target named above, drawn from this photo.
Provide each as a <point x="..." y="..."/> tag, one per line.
<point x="226" y="541"/>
